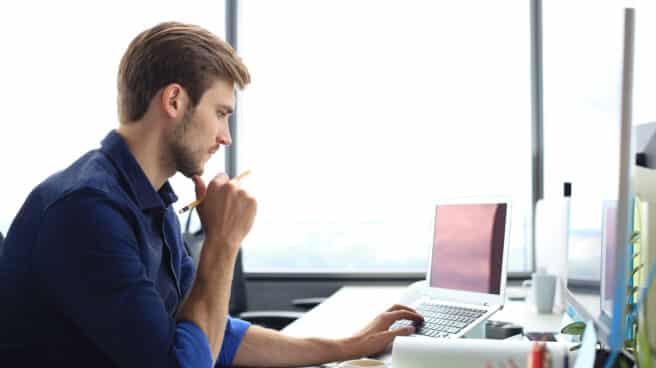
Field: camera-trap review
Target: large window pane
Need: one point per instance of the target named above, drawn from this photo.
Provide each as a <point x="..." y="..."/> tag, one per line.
<point x="59" y="65"/>
<point x="582" y="86"/>
<point x="363" y="114"/>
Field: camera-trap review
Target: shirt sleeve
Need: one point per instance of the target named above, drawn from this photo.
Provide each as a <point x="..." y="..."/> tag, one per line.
<point x="192" y="349"/>
<point x="234" y="334"/>
<point x="87" y="264"/>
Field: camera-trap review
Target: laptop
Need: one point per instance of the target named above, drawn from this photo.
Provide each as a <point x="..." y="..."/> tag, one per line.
<point x="466" y="278"/>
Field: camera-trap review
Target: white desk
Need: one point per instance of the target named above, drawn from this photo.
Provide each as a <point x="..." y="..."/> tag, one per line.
<point x="352" y="307"/>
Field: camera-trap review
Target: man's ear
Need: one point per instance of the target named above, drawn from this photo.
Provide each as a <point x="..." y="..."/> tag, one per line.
<point x="174" y="100"/>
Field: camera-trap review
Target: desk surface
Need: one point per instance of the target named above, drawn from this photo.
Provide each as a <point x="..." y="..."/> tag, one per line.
<point x="352" y="307"/>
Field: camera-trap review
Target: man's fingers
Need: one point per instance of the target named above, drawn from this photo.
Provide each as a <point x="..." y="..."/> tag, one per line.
<point x="402" y="331"/>
<point x="221" y="178"/>
<point x="199" y="185"/>
<point x="388" y="336"/>
<point x="201" y="188"/>
<point x="391" y="317"/>
<point x="218" y="181"/>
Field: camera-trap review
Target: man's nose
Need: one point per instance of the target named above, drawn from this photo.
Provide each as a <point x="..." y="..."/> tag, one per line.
<point x="224" y="138"/>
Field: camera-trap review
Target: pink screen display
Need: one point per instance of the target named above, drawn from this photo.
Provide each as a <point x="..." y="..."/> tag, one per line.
<point x="468" y="247"/>
<point x="609" y="242"/>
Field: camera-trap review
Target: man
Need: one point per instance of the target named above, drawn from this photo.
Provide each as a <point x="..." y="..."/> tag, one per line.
<point x="95" y="272"/>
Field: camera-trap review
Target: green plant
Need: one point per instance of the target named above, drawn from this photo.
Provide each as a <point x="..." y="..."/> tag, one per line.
<point x="633" y="290"/>
<point x="575" y="328"/>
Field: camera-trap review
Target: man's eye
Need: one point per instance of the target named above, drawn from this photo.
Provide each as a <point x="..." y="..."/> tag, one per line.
<point x="221" y="114"/>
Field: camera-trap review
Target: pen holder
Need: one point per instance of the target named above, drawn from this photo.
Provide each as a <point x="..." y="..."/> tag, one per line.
<point x="542" y="289"/>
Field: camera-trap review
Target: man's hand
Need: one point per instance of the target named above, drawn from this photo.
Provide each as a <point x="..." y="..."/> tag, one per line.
<point x="376" y="336"/>
<point x="227" y="212"/>
<point x="266" y="347"/>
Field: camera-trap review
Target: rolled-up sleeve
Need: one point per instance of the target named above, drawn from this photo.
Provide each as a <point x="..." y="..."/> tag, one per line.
<point x="191" y="346"/>
<point x="87" y="264"/>
<point x="234" y="334"/>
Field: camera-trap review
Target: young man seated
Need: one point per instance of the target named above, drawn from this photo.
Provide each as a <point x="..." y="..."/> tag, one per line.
<point x="95" y="272"/>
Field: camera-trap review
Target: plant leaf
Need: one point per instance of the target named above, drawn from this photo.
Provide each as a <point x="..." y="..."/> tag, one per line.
<point x="628" y="344"/>
<point x="637" y="269"/>
<point x="574" y="328"/>
<point x="623" y="363"/>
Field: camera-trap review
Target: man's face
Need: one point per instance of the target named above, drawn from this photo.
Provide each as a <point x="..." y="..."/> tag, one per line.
<point x="203" y="129"/>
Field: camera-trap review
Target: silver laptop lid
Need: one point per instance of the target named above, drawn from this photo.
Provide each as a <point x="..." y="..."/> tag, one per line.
<point x="469" y="252"/>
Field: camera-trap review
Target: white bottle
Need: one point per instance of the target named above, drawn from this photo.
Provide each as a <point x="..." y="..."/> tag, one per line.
<point x="551" y="228"/>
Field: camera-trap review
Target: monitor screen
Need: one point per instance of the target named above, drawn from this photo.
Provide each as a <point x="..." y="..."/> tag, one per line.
<point x="468" y="247"/>
<point x="609" y="250"/>
<point x="591" y="257"/>
<point x="584" y="253"/>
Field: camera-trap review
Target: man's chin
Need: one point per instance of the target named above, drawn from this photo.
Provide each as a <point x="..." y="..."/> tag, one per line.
<point x="191" y="173"/>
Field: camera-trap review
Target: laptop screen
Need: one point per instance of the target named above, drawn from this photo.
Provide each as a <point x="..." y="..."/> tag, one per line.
<point x="468" y="247"/>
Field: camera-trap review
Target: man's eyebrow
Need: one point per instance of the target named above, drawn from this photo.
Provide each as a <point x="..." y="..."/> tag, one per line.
<point x="228" y="109"/>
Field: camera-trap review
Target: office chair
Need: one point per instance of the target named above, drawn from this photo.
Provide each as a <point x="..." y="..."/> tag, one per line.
<point x="238" y="307"/>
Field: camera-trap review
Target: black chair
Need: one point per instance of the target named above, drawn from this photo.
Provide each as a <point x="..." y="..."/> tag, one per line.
<point x="275" y="319"/>
<point x="307" y="303"/>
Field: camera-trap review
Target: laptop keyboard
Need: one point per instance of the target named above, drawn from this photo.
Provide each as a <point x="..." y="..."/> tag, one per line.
<point x="441" y="320"/>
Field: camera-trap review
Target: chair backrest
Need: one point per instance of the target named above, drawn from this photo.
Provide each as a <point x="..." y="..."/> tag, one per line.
<point x="238" y="299"/>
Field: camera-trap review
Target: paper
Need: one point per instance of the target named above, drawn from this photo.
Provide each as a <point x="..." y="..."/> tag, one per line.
<point x="588" y="350"/>
<point x="417" y="352"/>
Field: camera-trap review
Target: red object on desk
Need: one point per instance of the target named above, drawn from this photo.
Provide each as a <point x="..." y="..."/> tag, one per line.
<point x="537" y="356"/>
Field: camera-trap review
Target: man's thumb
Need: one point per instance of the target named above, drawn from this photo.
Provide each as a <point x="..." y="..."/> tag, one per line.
<point x="201" y="188"/>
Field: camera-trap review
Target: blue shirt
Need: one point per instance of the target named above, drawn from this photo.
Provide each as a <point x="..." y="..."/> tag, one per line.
<point x="94" y="269"/>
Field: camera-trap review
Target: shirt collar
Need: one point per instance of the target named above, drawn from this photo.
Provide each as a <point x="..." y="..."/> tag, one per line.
<point x="143" y="192"/>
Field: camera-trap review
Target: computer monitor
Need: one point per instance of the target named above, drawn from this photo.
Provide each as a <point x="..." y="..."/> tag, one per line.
<point x="613" y="318"/>
<point x="614" y="220"/>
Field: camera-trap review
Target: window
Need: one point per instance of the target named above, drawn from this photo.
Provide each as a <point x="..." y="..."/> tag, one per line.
<point x="582" y="86"/>
<point x="362" y="114"/>
<point x="59" y="68"/>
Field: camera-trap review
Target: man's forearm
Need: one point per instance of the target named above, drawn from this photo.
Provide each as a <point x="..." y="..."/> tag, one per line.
<point x="266" y="347"/>
<point x="207" y="303"/>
